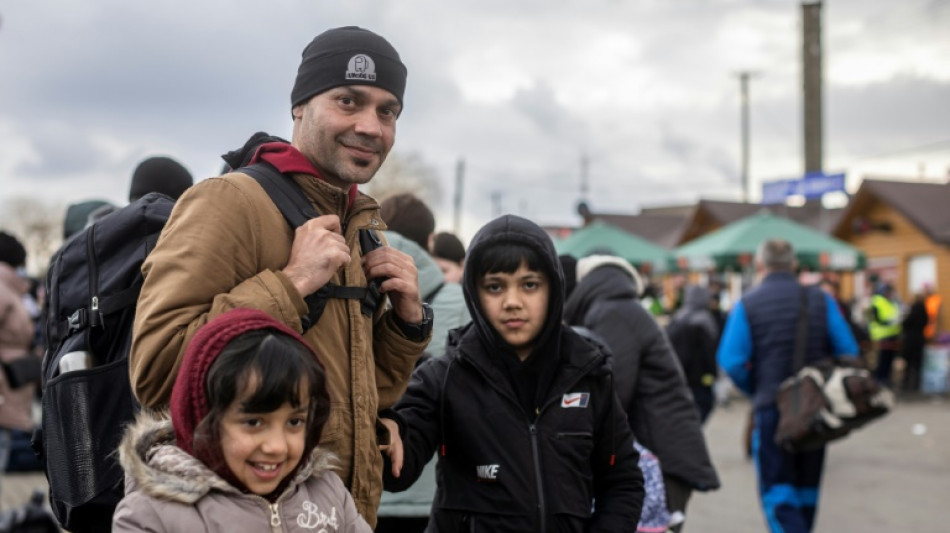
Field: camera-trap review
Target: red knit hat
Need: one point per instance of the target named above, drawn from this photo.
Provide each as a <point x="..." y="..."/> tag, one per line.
<point x="189" y="405"/>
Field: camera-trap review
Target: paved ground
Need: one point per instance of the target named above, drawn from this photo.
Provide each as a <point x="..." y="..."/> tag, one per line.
<point x="893" y="475"/>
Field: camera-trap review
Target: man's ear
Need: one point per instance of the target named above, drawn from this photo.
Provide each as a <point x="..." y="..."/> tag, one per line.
<point x="297" y="112"/>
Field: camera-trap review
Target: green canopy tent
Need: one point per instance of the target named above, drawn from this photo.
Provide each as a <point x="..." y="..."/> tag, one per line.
<point x="733" y="246"/>
<point x="598" y="237"/>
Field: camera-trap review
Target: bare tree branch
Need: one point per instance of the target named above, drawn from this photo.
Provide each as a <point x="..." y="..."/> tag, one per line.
<point x="38" y="225"/>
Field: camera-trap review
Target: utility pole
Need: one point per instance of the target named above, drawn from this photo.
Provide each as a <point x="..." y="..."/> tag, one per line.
<point x="585" y="168"/>
<point x="744" y="77"/>
<point x="496" y="203"/>
<point x="811" y="84"/>
<point x="459" y="186"/>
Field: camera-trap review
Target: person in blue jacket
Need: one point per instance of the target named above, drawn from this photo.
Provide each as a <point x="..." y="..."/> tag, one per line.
<point x="756" y="351"/>
<point x="522" y="410"/>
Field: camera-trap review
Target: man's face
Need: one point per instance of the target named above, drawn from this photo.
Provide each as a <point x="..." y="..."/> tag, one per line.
<point x="516" y="305"/>
<point x="347" y="132"/>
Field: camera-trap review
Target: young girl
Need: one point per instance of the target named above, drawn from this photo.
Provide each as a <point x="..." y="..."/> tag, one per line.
<point x="239" y="452"/>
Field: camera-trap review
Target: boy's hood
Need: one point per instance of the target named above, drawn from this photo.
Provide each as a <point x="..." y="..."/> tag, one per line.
<point x="514" y="229"/>
<point x="155" y="465"/>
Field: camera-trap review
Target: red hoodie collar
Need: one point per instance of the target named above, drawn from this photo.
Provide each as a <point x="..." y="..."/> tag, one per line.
<point x="288" y="159"/>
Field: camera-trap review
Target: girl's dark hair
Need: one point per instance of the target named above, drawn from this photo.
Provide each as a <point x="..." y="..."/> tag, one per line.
<point x="280" y="366"/>
<point x="507" y="257"/>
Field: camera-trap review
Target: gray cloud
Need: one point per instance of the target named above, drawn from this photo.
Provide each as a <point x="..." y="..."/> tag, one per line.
<point x="101" y="85"/>
<point x="59" y="151"/>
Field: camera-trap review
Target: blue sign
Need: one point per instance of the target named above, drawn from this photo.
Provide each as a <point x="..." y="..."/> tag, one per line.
<point x="812" y="185"/>
<point x="816" y="184"/>
<point x="775" y="192"/>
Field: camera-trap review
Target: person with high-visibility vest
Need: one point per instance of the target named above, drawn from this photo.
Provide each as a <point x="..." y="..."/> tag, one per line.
<point x="885" y="330"/>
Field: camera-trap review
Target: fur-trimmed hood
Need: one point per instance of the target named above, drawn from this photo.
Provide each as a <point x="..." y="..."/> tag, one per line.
<point x="156" y="466"/>
<point x="586" y="265"/>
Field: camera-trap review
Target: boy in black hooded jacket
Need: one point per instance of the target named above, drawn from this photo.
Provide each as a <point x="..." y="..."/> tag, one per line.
<point x="521" y="410"/>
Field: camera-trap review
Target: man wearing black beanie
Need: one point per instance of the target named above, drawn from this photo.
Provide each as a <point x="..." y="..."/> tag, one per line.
<point x="159" y="174"/>
<point x="227" y="245"/>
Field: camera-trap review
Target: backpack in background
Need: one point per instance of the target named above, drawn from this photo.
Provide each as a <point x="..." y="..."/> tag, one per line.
<point x="93" y="285"/>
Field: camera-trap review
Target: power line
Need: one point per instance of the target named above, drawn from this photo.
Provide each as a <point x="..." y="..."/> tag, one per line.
<point x="928" y="147"/>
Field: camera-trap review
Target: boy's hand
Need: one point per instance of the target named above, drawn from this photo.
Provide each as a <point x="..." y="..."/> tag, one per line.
<point x="402" y="283"/>
<point x="394" y="448"/>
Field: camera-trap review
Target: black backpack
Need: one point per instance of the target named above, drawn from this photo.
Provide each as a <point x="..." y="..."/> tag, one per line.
<point x="93" y="285"/>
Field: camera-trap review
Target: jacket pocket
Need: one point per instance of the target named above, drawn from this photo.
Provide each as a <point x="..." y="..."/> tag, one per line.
<point x="569" y="463"/>
<point x="582" y="435"/>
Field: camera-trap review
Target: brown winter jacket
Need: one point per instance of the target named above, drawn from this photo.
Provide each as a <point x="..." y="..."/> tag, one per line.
<point x="16" y="334"/>
<point x="168" y="491"/>
<point x="224" y="247"/>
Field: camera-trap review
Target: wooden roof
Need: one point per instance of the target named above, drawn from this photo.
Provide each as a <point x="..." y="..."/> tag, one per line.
<point x="924" y="204"/>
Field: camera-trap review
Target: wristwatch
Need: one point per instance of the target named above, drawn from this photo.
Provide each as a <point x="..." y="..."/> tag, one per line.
<point x="417" y="332"/>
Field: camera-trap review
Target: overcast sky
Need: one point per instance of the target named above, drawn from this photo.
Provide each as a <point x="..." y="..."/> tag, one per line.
<point x="647" y="89"/>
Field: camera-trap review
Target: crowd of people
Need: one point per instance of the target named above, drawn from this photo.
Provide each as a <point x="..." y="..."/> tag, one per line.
<point x="494" y="387"/>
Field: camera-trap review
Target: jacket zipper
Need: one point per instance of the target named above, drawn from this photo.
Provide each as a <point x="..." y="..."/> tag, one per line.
<point x="542" y="508"/>
<point x="274" y="517"/>
<point x="532" y="426"/>
<point x="93" y="277"/>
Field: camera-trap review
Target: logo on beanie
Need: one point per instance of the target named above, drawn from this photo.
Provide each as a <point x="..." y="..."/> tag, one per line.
<point x="361" y="67"/>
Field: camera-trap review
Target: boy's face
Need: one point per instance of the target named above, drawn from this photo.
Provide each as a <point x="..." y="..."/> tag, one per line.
<point x="516" y="305"/>
<point x="261" y="449"/>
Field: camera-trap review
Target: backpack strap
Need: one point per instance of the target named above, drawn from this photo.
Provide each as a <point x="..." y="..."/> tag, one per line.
<point x="292" y="202"/>
<point x="801" y="333"/>
<point x="283" y="191"/>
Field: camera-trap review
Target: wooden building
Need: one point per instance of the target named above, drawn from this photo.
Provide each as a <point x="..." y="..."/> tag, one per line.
<point x="904" y="230"/>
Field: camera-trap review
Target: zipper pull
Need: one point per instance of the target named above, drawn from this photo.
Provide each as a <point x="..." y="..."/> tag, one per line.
<point x="94" y="318"/>
<point x="274" y="516"/>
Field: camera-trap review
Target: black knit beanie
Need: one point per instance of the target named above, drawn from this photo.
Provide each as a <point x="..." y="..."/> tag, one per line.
<point x="408" y="216"/>
<point x="348" y="56"/>
<point x="159" y="174"/>
<point x="447" y="246"/>
<point x="12" y="251"/>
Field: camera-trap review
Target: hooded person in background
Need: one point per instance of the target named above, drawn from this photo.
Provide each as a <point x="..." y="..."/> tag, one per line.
<point x="694" y="333"/>
<point x="647" y="375"/>
<point x="227" y="245"/>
